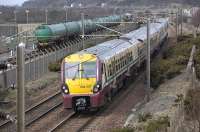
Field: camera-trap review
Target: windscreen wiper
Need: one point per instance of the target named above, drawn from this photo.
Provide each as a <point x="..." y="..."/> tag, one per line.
<point x="85" y="75"/>
<point x="75" y="75"/>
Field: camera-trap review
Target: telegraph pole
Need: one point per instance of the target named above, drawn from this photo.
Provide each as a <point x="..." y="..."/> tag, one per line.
<point x="27" y="12"/>
<point x="66" y="14"/>
<point x="46" y="15"/>
<point x="181" y="21"/>
<point x="176" y="27"/>
<point x="15" y="17"/>
<point x="20" y="88"/>
<point x="83" y="29"/>
<point x="148" y="54"/>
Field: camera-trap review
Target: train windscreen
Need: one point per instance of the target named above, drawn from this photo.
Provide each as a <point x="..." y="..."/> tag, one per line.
<point x="74" y="70"/>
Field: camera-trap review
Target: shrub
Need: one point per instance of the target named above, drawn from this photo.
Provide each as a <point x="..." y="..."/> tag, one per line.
<point x="181" y="60"/>
<point x="54" y="67"/>
<point x="3" y="94"/>
<point x="126" y="129"/>
<point x="174" y="59"/>
<point x="197" y="63"/>
<point x="155" y="125"/>
<point x="188" y="101"/>
<point x="144" y="117"/>
<point x="173" y="71"/>
<point x="179" y="98"/>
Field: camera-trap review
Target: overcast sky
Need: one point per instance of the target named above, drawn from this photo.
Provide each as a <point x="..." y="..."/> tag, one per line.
<point x="11" y="2"/>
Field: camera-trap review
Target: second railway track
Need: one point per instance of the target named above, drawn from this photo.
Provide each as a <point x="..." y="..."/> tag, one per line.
<point x="36" y="112"/>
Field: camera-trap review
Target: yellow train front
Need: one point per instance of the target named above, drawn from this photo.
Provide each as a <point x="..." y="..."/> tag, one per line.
<point x="80" y="82"/>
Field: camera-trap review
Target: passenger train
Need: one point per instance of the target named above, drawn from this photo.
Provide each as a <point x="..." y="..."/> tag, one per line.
<point x="91" y="76"/>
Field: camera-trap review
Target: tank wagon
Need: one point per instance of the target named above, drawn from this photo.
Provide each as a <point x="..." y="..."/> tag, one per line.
<point x="92" y="76"/>
<point x="50" y="33"/>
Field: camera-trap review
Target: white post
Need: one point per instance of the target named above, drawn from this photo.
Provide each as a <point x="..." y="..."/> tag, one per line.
<point x="46" y="16"/>
<point x="181" y="21"/>
<point x="177" y="27"/>
<point x="66" y="14"/>
<point x="148" y="60"/>
<point x="20" y="88"/>
<point x="27" y="19"/>
<point x="83" y="30"/>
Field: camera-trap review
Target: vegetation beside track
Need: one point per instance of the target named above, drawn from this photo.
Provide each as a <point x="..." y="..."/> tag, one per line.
<point x="174" y="59"/>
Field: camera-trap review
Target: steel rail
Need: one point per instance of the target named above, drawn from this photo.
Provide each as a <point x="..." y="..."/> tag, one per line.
<point x="33" y="107"/>
<point x="72" y="114"/>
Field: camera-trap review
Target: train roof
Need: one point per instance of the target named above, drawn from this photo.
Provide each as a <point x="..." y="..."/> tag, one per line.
<point x="110" y="48"/>
<point x="141" y="33"/>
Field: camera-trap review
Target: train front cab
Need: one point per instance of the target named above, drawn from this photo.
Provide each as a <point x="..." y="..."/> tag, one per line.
<point x="81" y="87"/>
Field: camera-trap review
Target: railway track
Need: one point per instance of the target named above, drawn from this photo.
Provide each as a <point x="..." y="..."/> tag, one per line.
<point x="71" y="115"/>
<point x="77" y="122"/>
<point x="37" y="111"/>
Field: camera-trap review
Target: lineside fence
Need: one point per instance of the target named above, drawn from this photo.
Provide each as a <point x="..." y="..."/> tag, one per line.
<point x="37" y="65"/>
<point x="177" y="122"/>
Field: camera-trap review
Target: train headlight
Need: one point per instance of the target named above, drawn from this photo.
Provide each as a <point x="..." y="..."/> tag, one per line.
<point x="97" y="88"/>
<point x="65" y="89"/>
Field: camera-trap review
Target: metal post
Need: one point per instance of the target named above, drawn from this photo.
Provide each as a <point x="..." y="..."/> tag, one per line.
<point x="148" y="60"/>
<point x="27" y="20"/>
<point x="46" y="16"/>
<point x="20" y="87"/>
<point x="181" y="21"/>
<point x="193" y="78"/>
<point x="34" y="69"/>
<point x="66" y="14"/>
<point x="176" y="27"/>
<point x="15" y="15"/>
<point x="27" y="11"/>
<point x="83" y="30"/>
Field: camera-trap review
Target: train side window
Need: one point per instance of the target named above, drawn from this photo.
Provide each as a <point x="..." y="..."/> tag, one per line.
<point x="104" y="71"/>
<point x="124" y="61"/>
<point x="116" y="64"/>
<point x="103" y="68"/>
<point x="110" y="73"/>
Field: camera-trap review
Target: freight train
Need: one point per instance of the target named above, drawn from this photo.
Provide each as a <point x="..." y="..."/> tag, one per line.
<point x="46" y="34"/>
<point x="91" y="77"/>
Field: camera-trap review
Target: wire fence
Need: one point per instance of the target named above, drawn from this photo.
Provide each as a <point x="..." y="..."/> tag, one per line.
<point x="37" y="65"/>
<point x="178" y="121"/>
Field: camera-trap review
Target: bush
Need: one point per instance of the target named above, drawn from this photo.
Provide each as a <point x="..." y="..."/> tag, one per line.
<point x="155" y="125"/>
<point x="54" y="67"/>
<point x="173" y="71"/>
<point x="123" y="130"/>
<point x="197" y="63"/>
<point x="174" y="59"/>
<point x="144" y="117"/>
<point x="181" y="60"/>
<point x="179" y="98"/>
<point x="3" y="94"/>
<point x="188" y="101"/>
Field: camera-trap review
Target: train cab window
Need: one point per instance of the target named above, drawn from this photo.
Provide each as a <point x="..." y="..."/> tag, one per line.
<point x="89" y="69"/>
<point x="71" y="70"/>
